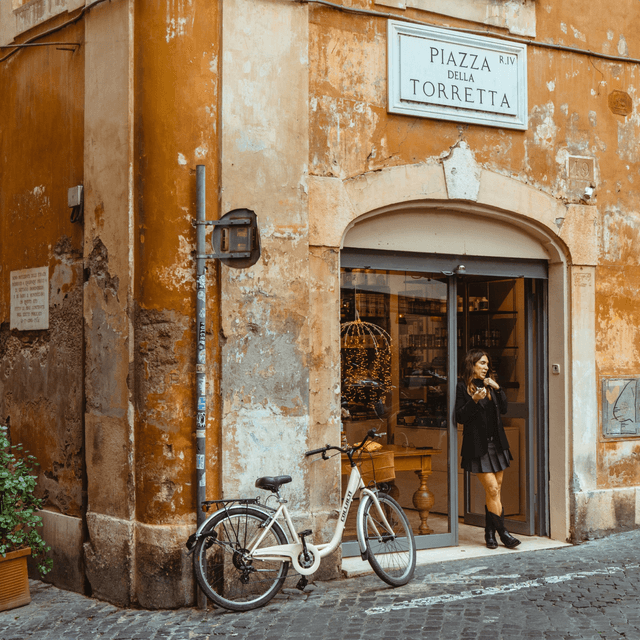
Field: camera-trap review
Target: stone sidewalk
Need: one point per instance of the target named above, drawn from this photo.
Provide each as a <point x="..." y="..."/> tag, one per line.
<point x="577" y="592"/>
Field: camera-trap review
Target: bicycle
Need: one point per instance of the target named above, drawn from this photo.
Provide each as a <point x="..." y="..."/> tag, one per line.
<point x="242" y="553"/>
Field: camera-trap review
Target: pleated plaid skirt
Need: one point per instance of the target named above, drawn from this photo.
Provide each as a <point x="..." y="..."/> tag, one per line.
<point x="491" y="462"/>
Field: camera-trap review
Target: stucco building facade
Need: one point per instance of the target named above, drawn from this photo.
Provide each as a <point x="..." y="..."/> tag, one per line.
<point x="365" y="212"/>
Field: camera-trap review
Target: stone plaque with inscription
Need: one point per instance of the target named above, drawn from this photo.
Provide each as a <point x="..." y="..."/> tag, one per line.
<point x="30" y="299"/>
<point x="445" y="74"/>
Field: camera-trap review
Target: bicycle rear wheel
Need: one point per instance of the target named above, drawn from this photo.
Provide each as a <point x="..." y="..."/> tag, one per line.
<point x="225" y="571"/>
<point x="391" y="550"/>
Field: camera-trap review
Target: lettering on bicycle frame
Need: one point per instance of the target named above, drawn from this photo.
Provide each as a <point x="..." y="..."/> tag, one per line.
<point x="347" y="504"/>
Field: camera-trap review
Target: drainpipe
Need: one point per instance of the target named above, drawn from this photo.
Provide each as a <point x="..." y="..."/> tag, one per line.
<point x="201" y="355"/>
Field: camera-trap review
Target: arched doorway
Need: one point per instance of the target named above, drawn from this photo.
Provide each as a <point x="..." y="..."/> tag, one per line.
<point x="536" y="224"/>
<point x="438" y="281"/>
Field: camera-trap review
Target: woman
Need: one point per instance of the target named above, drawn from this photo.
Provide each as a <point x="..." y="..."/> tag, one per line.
<point x="485" y="450"/>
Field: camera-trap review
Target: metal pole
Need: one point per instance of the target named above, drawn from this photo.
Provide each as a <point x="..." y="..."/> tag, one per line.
<point x="201" y="356"/>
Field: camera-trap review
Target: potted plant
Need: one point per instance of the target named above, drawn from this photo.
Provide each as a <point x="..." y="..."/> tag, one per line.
<point x="19" y="524"/>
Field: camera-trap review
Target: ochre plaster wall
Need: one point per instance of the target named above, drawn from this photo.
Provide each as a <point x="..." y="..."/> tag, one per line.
<point x="129" y="115"/>
<point x="306" y="133"/>
<point x="41" y="380"/>
<point x="151" y="113"/>
<point x="176" y="128"/>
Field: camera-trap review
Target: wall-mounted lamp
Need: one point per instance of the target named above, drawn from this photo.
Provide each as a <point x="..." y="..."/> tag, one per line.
<point x="460" y="269"/>
<point x="588" y="192"/>
<point x="75" y="201"/>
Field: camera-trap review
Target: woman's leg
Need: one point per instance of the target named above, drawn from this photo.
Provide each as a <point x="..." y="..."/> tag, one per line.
<point x="492" y="484"/>
<point x="499" y="475"/>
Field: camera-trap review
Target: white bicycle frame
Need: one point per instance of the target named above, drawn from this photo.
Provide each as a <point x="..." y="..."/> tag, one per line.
<point x="294" y="551"/>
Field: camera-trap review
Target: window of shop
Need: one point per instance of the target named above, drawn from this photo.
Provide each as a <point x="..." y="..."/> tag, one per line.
<point x="404" y="334"/>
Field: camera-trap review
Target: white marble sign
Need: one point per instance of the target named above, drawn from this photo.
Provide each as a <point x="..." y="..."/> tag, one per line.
<point x="30" y="299"/>
<point x="449" y="75"/>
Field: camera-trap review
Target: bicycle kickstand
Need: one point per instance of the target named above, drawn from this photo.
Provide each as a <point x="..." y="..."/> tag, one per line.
<point x="303" y="582"/>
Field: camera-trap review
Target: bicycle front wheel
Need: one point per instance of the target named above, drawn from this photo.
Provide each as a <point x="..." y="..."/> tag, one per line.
<point x="391" y="547"/>
<point x="224" y="568"/>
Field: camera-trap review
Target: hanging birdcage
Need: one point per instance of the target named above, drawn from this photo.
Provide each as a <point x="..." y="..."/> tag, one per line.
<point x="366" y="363"/>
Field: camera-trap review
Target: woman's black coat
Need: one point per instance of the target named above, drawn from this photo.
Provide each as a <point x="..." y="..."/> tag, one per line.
<point x="473" y="417"/>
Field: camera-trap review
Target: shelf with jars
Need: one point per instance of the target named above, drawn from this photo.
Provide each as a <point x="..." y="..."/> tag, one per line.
<point x="490" y="318"/>
<point x="423" y="344"/>
<point x="369" y="305"/>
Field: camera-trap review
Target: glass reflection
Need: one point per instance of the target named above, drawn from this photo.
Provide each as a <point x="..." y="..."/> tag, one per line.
<point x="395" y="378"/>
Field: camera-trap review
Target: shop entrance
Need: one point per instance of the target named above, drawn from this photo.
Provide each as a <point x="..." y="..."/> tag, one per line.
<point x="406" y="323"/>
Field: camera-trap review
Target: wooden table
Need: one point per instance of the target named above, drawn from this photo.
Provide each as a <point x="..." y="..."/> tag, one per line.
<point x="410" y="459"/>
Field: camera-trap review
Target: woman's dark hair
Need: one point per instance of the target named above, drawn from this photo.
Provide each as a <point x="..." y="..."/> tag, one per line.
<point x="473" y="355"/>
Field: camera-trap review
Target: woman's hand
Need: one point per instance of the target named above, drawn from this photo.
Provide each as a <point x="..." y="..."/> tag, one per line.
<point x="479" y="394"/>
<point x="488" y="382"/>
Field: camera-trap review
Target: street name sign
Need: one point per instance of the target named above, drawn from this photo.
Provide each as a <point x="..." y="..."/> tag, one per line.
<point x="449" y="75"/>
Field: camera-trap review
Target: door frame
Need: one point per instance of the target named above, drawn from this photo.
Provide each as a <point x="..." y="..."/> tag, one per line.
<point x="451" y="266"/>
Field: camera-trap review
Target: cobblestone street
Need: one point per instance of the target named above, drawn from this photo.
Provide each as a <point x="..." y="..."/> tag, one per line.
<point x="582" y="592"/>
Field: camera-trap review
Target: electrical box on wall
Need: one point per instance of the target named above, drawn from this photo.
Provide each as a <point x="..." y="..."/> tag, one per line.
<point x="74" y="196"/>
<point x="75" y="201"/>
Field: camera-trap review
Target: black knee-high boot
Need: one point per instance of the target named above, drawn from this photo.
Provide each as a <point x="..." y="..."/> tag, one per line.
<point x="489" y="530"/>
<point x="507" y="539"/>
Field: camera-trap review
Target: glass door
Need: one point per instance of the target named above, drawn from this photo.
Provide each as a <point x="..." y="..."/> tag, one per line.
<point x="395" y="354"/>
<point x="495" y="314"/>
<point x="407" y="321"/>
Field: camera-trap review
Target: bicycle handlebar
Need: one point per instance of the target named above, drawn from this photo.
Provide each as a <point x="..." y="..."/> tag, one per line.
<point x="372" y="433"/>
<point x="313" y="452"/>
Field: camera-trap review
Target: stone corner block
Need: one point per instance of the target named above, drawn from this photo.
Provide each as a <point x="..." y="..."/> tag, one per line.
<point x="579" y="232"/>
<point x="108" y="558"/>
<point x="164" y="572"/>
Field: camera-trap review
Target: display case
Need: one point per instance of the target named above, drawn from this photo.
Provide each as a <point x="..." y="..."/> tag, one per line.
<point x="423" y="343"/>
<point x="489" y="318"/>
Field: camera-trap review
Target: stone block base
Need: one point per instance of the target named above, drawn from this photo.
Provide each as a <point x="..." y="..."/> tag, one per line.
<point x="65" y="537"/>
<point x="600" y="513"/>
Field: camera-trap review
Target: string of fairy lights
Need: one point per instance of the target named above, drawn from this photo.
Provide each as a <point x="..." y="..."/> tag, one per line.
<point x="366" y="362"/>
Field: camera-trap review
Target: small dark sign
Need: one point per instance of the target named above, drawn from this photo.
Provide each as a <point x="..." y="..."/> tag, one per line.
<point x="236" y="239"/>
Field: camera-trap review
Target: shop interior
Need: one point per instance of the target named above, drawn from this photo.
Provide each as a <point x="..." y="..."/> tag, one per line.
<point x="395" y="377"/>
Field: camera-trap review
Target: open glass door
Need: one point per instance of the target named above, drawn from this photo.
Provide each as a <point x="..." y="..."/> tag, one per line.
<point x="496" y="314"/>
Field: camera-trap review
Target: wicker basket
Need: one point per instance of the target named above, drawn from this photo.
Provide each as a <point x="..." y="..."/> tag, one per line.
<point x="376" y="467"/>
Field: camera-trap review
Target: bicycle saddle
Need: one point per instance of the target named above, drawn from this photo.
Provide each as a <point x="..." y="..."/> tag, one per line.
<point x="271" y="483"/>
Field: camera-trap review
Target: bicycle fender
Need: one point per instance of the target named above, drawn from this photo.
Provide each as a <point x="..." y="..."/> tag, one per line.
<point x="267" y="511"/>
<point x="359" y="520"/>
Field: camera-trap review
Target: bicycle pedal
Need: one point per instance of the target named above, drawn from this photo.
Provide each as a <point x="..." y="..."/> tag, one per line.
<point x="303" y="582"/>
<point x="305" y="533"/>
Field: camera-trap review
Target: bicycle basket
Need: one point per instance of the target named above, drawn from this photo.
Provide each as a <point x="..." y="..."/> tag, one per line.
<point x="376" y="467"/>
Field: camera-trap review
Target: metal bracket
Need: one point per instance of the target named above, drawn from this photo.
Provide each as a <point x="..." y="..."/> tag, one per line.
<point x="223" y="256"/>
<point x="235" y="239"/>
<point x="222" y="223"/>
